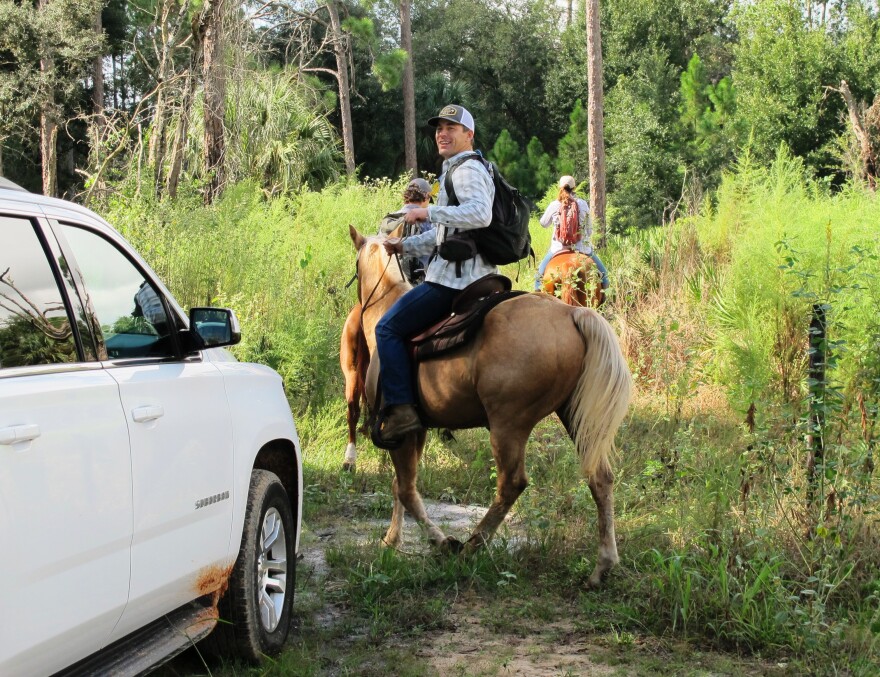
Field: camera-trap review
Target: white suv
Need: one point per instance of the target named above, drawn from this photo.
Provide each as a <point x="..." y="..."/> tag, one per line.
<point x="148" y="481"/>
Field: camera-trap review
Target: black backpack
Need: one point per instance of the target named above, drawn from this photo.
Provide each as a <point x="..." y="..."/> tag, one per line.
<point x="507" y="239"/>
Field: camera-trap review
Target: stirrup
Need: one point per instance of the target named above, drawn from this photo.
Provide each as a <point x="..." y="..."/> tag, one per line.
<point x="376" y="433"/>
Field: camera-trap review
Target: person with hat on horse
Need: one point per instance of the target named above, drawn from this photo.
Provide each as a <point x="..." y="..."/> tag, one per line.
<point x="432" y="300"/>
<point x="581" y="244"/>
<point x="416" y="195"/>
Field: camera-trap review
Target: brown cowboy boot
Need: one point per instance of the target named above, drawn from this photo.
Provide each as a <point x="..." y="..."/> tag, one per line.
<point x="402" y="420"/>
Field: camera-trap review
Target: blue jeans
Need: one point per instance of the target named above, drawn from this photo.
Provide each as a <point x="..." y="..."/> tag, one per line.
<point x="413" y="312"/>
<point x="543" y="266"/>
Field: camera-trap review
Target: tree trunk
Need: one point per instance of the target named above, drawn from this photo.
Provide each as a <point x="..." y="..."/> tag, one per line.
<point x="870" y="167"/>
<point x="569" y="13"/>
<point x="340" y="48"/>
<point x="1" y="157"/>
<point x="115" y="83"/>
<point x="98" y="75"/>
<point x="818" y="359"/>
<point x="215" y="96"/>
<point x="156" y="148"/>
<point x="409" y="95"/>
<point x="595" y="124"/>
<point x="158" y="133"/>
<point x="49" y="152"/>
<point x="48" y="126"/>
<point x="98" y="122"/>
<point x="181" y="134"/>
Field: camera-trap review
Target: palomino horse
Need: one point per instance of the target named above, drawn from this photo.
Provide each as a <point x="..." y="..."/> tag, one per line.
<point x="507" y="379"/>
<point x="354" y="358"/>
<point x="574" y="275"/>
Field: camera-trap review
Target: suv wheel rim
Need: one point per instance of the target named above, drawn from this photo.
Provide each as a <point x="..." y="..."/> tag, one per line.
<point x="272" y="570"/>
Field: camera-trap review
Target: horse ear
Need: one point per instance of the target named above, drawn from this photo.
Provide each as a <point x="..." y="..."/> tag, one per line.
<point x="356" y="237"/>
<point x="397" y="232"/>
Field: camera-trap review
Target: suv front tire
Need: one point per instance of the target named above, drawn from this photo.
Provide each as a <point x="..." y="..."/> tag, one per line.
<point x="256" y="611"/>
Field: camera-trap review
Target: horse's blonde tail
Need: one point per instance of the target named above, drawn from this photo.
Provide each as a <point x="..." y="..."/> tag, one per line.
<point x="600" y="400"/>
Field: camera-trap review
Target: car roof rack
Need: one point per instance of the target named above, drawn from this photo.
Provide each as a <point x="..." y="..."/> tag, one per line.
<point x="6" y="183"/>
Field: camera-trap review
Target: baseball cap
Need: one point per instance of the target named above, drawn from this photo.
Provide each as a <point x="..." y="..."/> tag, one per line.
<point x="567" y="182"/>
<point x="420" y="185"/>
<point x="454" y="113"/>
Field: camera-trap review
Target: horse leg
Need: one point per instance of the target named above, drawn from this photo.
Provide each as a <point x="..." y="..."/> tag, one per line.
<point x="349" y="347"/>
<point x="353" y="416"/>
<point x="598" y="295"/>
<point x="583" y="286"/>
<point x="406" y="495"/>
<point x="509" y="451"/>
<point x="601" y="485"/>
<point x="596" y="289"/>
<point x="394" y="536"/>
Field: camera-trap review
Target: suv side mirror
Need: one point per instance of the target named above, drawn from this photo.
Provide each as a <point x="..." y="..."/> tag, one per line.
<point x="213" y="327"/>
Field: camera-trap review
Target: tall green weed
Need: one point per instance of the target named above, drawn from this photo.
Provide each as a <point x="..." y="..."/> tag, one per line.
<point x="788" y="242"/>
<point x="280" y="263"/>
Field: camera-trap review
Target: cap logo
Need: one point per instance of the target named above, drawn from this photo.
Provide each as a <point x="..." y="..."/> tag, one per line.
<point x="449" y="110"/>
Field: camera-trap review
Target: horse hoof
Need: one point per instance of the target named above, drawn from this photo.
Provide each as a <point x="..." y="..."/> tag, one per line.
<point x="593" y="584"/>
<point x="475" y="542"/>
<point x="597" y="578"/>
<point x="348" y="467"/>
<point x="451" y="545"/>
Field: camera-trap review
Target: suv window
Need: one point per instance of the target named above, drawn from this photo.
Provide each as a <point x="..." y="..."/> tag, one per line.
<point x="34" y="324"/>
<point x="132" y="315"/>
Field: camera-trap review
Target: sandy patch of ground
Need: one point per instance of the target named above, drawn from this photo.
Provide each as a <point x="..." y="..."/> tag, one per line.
<point x="472" y="647"/>
<point x="469" y="648"/>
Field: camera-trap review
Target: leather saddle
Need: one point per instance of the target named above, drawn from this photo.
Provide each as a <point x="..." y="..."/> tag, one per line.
<point x="566" y="250"/>
<point x="469" y="309"/>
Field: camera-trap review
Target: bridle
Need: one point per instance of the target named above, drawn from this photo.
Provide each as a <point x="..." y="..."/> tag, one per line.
<point x="366" y="304"/>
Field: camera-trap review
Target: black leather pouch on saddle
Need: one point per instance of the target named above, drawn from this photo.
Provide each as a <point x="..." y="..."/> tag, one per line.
<point x="457" y="248"/>
<point x="468" y="311"/>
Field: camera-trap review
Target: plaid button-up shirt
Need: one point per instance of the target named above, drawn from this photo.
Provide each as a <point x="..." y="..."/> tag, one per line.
<point x="475" y="192"/>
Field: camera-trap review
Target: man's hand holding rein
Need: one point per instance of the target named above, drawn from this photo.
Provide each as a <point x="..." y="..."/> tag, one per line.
<point x="394" y="245"/>
<point x="418" y="214"/>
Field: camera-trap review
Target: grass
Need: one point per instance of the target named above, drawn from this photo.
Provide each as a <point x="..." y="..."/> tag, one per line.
<point x="725" y="567"/>
<point x="703" y="565"/>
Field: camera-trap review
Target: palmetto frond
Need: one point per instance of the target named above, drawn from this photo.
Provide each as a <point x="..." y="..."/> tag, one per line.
<point x="277" y="133"/>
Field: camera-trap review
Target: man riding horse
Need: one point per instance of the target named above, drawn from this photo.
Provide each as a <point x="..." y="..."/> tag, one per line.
<point x="431" y="301"/>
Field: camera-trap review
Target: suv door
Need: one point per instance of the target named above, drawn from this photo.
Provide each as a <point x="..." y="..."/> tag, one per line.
<point x="65" y="468"/>
<point x="180" y="431"/>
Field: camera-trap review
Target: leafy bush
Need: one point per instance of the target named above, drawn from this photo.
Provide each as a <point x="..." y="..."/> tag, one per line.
<point x="788" y="244"/>
<point x="282" y="264"/>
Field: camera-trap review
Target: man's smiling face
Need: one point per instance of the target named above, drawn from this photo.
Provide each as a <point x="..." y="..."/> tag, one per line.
<point x="453" y="138"/>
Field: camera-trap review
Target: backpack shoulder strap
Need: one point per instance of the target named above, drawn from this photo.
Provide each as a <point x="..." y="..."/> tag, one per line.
<point x="451" y="199"/>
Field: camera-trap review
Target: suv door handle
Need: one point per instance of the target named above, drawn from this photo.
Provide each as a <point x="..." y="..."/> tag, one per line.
<point x="19" y="433"/>
<point x="148" y="413"/>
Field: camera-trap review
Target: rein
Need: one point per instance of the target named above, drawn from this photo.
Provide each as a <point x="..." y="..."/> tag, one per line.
<point x="366" y="304"/>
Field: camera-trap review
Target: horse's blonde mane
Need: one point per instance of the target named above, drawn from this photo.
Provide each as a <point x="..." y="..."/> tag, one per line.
<point x="378" y="274"/>
<point x="376" y="260"/>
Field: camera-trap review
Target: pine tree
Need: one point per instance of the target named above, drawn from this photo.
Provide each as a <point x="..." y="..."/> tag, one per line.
<point x="507" y="156"/>
<point x="572" y="150"/>
<point x="540" y="167"/>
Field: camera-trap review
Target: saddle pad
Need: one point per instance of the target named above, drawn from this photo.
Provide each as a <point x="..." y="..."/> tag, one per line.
<point x="458" y="329"/>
